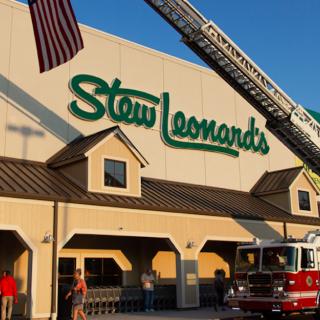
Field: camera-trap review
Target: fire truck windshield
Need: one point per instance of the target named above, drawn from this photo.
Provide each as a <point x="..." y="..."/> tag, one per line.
<point x="247" y="260"/>
<point x="279" y="259"/>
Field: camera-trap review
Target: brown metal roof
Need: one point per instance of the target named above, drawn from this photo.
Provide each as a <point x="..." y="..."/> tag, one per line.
<point x="77" y="148"/>
<point x="27" y="179"/>
<point x="276" y="181"/>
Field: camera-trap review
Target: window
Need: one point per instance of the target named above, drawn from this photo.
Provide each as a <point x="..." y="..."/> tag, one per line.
<point x="115" y="173"/>
<point x="66" y="269"/>
<point x="247" y="260"/>
<point x="307" y="258"/>
<point x="279" y="259"/>
<point x="304" y="200"/>
<point x="102" y="272"/>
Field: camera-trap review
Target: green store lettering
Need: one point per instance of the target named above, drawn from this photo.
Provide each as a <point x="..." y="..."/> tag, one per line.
<point x="124" y="106"/>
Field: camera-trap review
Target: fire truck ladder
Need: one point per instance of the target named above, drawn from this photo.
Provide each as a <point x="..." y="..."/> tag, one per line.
<point x="290" y="122"/>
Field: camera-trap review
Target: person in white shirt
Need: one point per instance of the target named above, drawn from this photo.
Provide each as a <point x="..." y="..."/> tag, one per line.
<point x="147" y="281"/>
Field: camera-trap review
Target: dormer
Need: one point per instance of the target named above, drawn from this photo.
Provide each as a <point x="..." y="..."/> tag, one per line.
<point x="292" y="190"/>
<point x="104" y="162"/>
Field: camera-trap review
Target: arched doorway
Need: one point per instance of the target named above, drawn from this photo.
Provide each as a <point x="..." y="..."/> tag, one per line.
<point x="215" y="255"/>
<point x="119" y="260"/>
<point x="16" y="257"/>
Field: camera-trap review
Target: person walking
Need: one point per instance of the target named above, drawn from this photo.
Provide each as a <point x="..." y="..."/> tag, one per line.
<point x="78" y="292"/>
<point x="147" y="281"/>
<point x="9" y="296"/>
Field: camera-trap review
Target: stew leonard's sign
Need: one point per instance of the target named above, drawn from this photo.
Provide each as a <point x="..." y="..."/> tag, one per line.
<point x="124" y="106"/>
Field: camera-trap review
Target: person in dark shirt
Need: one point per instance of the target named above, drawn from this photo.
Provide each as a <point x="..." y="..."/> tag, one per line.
<point x="219" y="289"/>
<point x="88" y="279"/>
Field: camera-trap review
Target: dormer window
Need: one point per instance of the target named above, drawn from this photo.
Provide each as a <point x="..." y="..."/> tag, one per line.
<point x="304" y="200"/>
<point x="115" y="173"/>
<point x="292" y="189"/>
<point x="105" y="162"/>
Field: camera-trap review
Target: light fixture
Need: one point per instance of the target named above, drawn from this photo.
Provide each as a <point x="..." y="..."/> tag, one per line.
<point x="190" y="244"/>
<point x="48" y="237"/>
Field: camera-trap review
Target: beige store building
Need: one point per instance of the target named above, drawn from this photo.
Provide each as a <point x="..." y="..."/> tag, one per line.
<point x="141" y="159"/>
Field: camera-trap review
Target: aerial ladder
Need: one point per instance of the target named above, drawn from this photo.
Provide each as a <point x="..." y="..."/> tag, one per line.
<point x="289" y="121"/>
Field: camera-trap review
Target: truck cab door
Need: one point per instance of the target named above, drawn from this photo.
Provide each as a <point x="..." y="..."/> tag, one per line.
<point x="309" y="277"/>
<point x="318" y="265"/>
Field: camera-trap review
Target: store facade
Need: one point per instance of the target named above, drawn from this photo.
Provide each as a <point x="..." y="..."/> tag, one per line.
<point x="127" y="158"/>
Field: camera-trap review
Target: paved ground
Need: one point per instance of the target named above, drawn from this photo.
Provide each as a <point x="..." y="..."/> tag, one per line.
<point x="201" y="314"/>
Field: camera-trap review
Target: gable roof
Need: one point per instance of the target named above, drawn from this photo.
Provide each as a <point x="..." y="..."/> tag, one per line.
<point x="276" y="181"/>
<point x="79" y="148"/>
<point x="34" y="180"/>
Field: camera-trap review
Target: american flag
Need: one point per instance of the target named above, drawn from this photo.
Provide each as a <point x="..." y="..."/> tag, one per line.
<point x="56" y="31"/>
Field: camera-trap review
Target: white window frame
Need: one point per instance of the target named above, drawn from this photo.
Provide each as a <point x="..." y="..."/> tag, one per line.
<point x="115" y="189"/>
<point x="308" y="191"/>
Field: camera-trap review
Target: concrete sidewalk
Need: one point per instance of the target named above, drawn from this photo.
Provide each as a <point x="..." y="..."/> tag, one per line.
<point x="200" y="314"/>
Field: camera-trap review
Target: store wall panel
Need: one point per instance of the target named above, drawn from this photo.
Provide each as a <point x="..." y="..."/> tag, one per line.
<point x="252" y="164"/>
<point x="37" y="111"/>
<point x="164" y="265"/>
<point x="281" y="200"/>
<point x="280" y="157"/>
<point x="219" y="105"/>
<point x="6" y="16"/>
<point x="141" y="70"/>
<point x="184" y="86"/>
<point x="149" y="143"/>
<point x="208" y="263"/>
<point x="299" y="231"/>
<point x="185" y="165"/>
<point x="100" y="58"/>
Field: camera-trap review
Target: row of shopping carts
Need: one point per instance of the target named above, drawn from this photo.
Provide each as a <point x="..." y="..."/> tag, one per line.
<point x="207" y="295"/>
<point x="101" y="300"/>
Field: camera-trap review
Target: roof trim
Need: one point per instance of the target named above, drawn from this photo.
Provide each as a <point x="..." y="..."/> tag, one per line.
<point x="275" y="191"/>
<point x="120" y="134"/>
<point x="32" y="180"/>
<point x="305" y="172"/>
<point x="160" y="209"/>
<point x="90" y="143"/>
<point x="266" y="193"/>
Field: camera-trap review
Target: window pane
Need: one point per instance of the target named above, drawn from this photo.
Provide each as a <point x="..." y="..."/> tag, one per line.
<point x="67" y="266"/>
<point x="93" y="271"/>
<point x="93" y="265"/>
<point x="115" y="174"/>
<point x="112" y="274"/>
<point x="66" y="269"/>
<point x="109" y="164"/>
<point x="304" y="200"/>
<point x="119" y="167"/>
<point x="120" y="180"/>
<point x="307" y="258"/>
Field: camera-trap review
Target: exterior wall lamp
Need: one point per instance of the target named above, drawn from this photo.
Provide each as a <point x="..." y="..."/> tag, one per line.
<point x="48" y="237"/>
<point x="190" y="244"/>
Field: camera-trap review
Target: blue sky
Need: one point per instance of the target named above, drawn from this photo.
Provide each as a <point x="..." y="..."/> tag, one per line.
<point x="282" y="37"/>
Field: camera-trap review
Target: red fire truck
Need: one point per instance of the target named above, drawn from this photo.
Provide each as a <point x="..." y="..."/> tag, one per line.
<point x="278" y="278"/>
